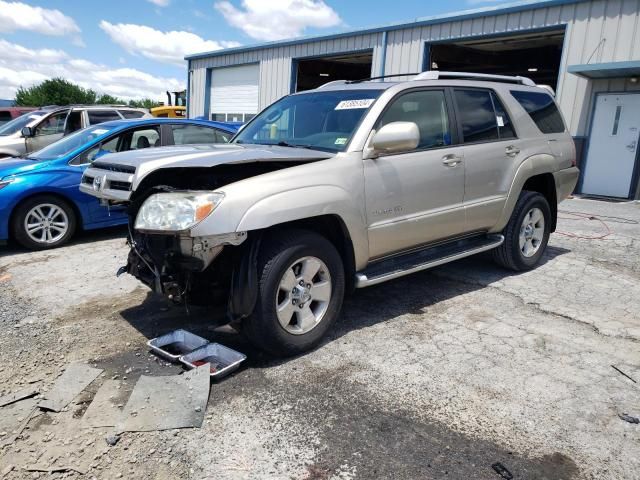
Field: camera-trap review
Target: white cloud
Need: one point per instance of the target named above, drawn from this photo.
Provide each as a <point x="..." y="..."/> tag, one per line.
<point x="278" y="19"/>
<point x="167" y="47"/>
<point x="160" y="3"/>
<point x="20" y="16"/>
<point x="20" y="66"/>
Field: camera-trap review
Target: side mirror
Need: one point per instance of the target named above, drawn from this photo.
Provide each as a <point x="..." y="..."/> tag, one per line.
<point x="28" y="132"/>
<point x="396" y="137"/>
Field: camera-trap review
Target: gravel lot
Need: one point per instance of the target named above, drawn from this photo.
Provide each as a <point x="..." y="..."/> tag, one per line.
<point x="437" y="375"/>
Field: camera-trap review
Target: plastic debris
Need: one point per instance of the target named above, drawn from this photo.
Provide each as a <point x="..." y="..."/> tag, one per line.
<point x="629" y="418"/>
<point x="501" y="470"/>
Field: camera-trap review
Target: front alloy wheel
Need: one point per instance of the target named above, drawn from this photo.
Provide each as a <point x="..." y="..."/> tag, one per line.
<point x="42" y="222"/>
<point x="300" y="292"/>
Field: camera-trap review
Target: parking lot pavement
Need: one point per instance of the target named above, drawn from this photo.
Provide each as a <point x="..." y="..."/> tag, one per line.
<point x="439" y="374"/>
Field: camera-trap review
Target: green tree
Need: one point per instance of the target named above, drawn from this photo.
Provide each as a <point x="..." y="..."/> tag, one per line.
<point x="55" y="91"/>
<point x="106" y="99"/>
<point x="144" y="103"/>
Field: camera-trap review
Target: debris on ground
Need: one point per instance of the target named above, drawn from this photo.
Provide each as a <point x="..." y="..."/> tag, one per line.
<point x="501" y="470"/>
<point x="17" y="396"/>
<point x="104" y="410"/>
<point x="622" y="373"/>
<point x="112" y="440"/>
<point x="74" y="380"/>
<point x="165" y="403"/>
<point x="629" y="418"/>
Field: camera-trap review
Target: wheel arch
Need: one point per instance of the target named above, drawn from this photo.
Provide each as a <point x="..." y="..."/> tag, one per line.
<point x="534" y="174"/>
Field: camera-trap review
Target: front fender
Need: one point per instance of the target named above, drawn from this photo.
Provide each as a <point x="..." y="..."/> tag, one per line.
<point x="9" y="152"/>
<point x="534" y="165"/>
<point x="303" y="203"/>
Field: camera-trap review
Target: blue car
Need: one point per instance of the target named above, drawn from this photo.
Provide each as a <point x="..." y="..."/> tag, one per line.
<point x="41" y="205"/>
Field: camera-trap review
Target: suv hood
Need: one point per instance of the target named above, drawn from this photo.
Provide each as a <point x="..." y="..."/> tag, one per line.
<point x="207" y="156"/>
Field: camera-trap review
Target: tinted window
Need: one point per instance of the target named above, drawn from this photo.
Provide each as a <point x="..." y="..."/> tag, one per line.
<point x="505" y="127"/>
<point x="5" y="117"/>
<point x="428" y="110"/>
<point x="134" y="139"/>
<point x="193" y="134"/>
<point x="52" y="124"/>
<point x="131" y="113"/>
<point x="99" y="116"/>
<point x="222" y="137"/>
<point x="477" y="116"/>
<point x="542" y="110"/>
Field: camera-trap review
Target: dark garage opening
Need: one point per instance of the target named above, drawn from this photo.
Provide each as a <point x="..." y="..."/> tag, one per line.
<point x="533" y="55"/>
<point x="314" y="72"/>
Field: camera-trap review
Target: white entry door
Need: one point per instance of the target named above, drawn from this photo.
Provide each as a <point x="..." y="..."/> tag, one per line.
<point x="613" y="146"/>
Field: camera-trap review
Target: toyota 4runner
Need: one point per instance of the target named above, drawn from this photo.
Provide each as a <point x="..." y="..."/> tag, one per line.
<point x="345" y="186"/>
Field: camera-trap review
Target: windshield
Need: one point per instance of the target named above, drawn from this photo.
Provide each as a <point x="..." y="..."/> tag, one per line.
<point x="319" y="120"/>
<point x="69" y="144"/>
<point x="16" y="124"/>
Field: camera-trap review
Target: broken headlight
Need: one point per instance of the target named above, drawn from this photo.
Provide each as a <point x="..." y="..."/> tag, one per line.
<point x="176" y="211"/>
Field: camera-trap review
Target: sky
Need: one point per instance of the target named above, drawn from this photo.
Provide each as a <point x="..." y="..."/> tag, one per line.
<point x="135" y="49"/>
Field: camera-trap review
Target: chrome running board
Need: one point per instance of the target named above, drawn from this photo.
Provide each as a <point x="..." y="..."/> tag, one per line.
<point x="423" y="259"/>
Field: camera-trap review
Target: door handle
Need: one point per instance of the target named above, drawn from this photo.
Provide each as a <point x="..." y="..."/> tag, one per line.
<point x="512" y="151"/>
<point x="451" y="160"/>
<point x="632" y="146"/>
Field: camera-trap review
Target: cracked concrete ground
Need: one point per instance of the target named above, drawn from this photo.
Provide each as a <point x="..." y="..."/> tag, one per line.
<point x="436" y="375"/>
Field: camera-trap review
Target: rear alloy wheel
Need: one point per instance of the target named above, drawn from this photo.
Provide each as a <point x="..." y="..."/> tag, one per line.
<point x="301" y="287"/>
<point x="527" y="233"/>
<point x="43" y="222"/>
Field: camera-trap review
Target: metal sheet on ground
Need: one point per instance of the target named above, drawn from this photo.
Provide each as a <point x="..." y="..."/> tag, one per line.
<point x="75" y="378"/>
<point x="19" y="395"/>
<point x="103" y="410"/>
<point x="12" y="416"/>
<point x="165" y="403"/>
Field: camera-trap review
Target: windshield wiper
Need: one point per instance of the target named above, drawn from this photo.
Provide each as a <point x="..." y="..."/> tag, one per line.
<point x="282" y="143"/>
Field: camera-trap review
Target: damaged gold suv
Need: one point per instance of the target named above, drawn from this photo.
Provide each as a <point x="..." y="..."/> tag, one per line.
<point x="345" y="186"/>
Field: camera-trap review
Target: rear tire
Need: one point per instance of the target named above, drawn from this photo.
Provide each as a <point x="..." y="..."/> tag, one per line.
<point x="301" y="289"/>
<point x="43" y="222"/>
<point x="526" y="235"/>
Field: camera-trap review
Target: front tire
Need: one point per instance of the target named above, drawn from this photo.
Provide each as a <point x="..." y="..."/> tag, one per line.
<point x="526" y="235"/>
<point x="43" y="222"/>
<point x="301" y="289"/>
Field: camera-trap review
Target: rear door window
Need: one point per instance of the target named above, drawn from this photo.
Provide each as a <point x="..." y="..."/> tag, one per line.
<point x="505" y="127"/>
<point x="542" y="110"/>
<point x="193" y="134"/>
<point x="99" y="116"/>
<point x="477" y="116"/>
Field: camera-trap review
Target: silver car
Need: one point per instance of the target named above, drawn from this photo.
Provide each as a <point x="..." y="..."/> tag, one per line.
<point x="346" y="186"/>
<point x="35" y="130"/>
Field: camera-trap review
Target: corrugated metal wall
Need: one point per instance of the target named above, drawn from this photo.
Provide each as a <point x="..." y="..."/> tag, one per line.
<point x="597" y="31"/>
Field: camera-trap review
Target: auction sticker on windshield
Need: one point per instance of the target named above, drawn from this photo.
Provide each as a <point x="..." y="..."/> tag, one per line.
<point x="351" y="104"/>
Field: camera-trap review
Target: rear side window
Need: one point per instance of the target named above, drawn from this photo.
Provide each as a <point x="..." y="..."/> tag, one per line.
<point x="193" y="134"/>
<point x="542" y="110"/>
<point x="131" y="113"/>
<point x="99" y="116"/>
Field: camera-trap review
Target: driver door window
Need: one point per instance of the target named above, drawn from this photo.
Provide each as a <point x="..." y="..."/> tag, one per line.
<point x="52" y="125"/>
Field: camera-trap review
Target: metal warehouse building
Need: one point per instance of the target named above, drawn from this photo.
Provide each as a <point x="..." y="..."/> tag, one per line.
<point x="587" y="50"/>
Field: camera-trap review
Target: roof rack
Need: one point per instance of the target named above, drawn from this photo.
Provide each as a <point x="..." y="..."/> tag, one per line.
<point x="437" y="75"/>
<point x="333" y="82"/>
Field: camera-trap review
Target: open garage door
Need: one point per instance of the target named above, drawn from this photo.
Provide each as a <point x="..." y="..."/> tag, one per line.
<point x="234" y="93"/>
<point x="534" y="55"/>
<point x="311" y="73"/>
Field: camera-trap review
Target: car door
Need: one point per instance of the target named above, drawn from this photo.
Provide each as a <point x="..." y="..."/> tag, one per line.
<point x="491" y="150"/>
<point x="49" y="130"/>
<point x="415" y="197"/>
<point x="146" y="136"/>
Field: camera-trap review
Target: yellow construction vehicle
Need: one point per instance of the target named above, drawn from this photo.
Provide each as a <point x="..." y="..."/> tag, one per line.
<point x="175" y="109"/>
